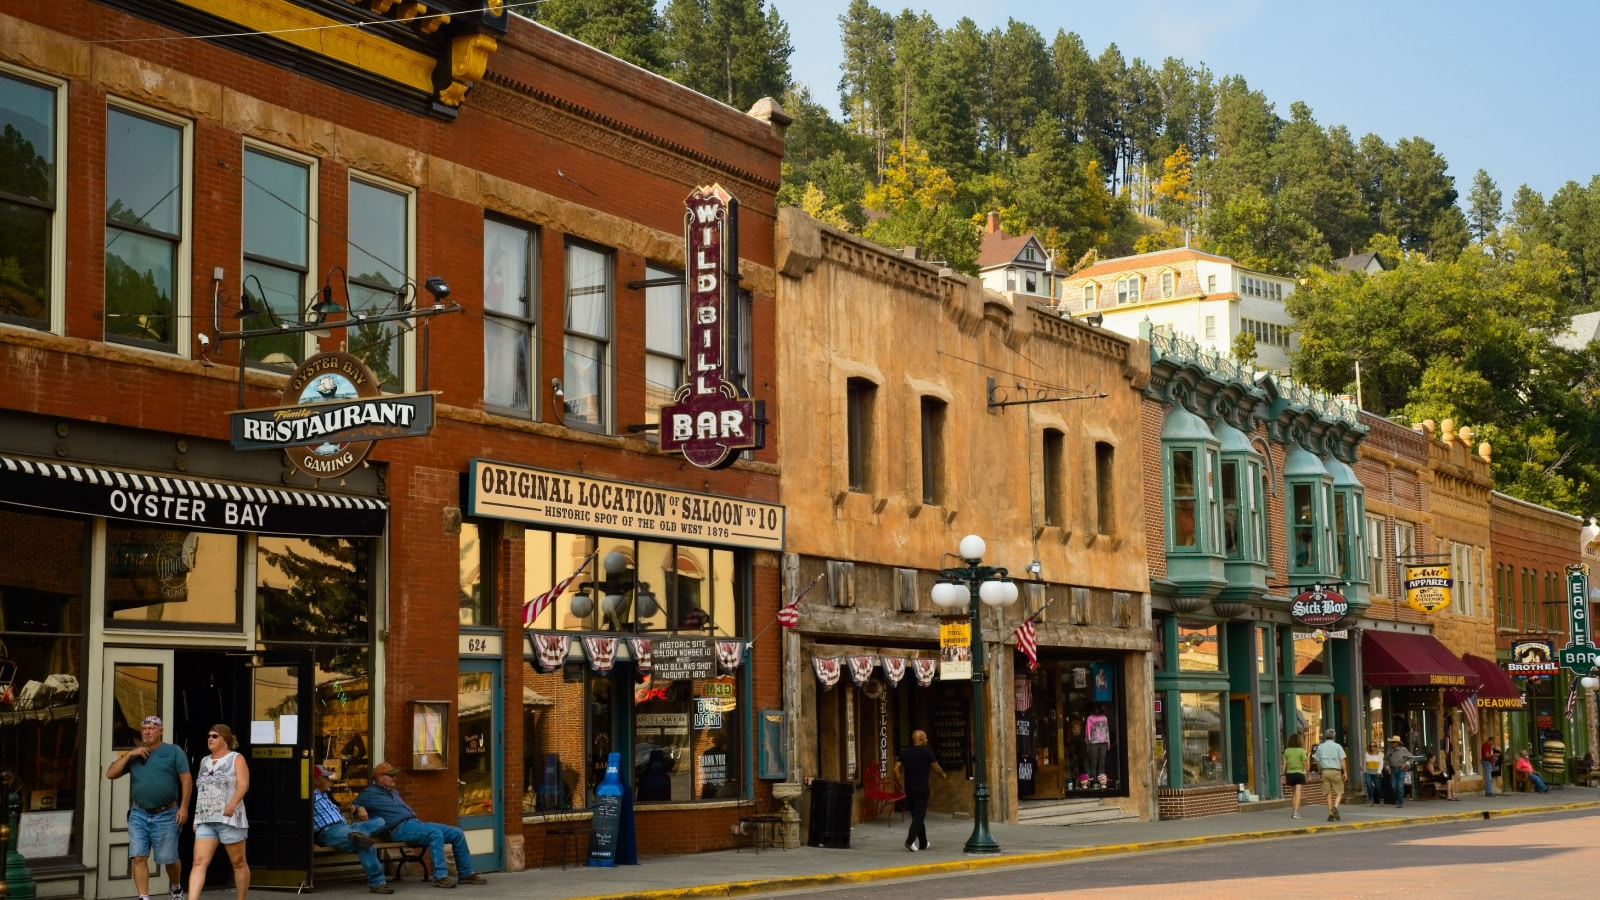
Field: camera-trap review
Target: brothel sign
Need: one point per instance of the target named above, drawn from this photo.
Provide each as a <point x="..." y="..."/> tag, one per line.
<point x="332" y="411"/>
<point x="1319" y="607"/>
<point x="710" y="420"/>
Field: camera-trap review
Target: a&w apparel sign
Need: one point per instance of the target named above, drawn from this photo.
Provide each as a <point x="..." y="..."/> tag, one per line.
<point x="1428" y="588"/>
<point x="708" y="420"/>
<point x="332" y="411"/>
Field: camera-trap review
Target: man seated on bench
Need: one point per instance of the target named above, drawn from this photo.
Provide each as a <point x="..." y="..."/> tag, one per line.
<point x="331" y="830"/>
<point x="380" y="798"/>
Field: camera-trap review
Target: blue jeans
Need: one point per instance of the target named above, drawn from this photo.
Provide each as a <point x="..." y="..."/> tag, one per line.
<point x="155" y="835"/>
<point x="1488" y="781"/>
<point x="1537" y="782"/>
<point x="1374" y="786"/>
<point x="418" y="833"/>
<point x="1399" y="777"/>
<point x="338" y="837"/>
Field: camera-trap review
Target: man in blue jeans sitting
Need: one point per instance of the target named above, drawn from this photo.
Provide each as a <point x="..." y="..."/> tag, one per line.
<point x="381" y="799"/>
<point x="330" y="830"/>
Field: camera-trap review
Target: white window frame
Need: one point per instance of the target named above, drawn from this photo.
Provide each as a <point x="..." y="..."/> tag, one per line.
<point x="311" y="163"/>
<point x="408" y="341"/>
<point x="1211" y="328"/>
<point x="56" y="299"/>
<point x="1169" y="283"/>
<point x="1377" y="570"/>
<point x="656" y="302"/>
<point x="182" y="299"/>
<point x="1128" y="290"/>
<point x="1089" y="295"/>
<point x="605" y="378"/>
<point x="526" y="325"/>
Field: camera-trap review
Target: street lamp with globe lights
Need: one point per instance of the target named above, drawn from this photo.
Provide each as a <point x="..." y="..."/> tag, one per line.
<point x="971" y="584"/>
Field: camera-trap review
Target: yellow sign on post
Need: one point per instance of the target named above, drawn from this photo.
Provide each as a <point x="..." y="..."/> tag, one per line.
<point x="955" y="649"/>
<point x="1428" y="588"/>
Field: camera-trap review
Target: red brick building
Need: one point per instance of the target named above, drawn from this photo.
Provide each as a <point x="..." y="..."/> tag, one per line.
<point x="167" y="189"/>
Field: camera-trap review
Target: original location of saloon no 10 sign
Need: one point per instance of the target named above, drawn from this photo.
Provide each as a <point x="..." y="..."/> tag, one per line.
<point x="710" y="420"/>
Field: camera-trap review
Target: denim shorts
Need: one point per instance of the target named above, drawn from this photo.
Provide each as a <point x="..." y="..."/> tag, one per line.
<point x="157" y="834"/>
<point x="218" y="831"/>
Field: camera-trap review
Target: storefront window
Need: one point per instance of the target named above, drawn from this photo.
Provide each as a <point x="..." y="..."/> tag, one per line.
<point x="554" y="748"/>
<point x="474" y="735"/>
<point x="1202" y="739"/>
<point x="1307" y="718"/>
<point x="1199" y="649"/>
<point x="313" y="590"/>
<point x="686" y="740"/>
<point x="1310" y="656"/>
<point x="166" y="578"/>
<point x="42" y="665"/>
<point x="476" y="606"/>
<point x="632" y="586"/>
<point x="343" y="721"/>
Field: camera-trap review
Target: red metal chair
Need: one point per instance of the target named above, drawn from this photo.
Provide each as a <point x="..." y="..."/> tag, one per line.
<point x="881" y="793"/>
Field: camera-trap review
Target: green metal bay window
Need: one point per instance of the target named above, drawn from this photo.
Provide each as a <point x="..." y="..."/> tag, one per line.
<point x="1192" y="504"/>
<point x="1349" y="535"/>
<point x="1309" y="490"/>
<point x="1243" y="501"/>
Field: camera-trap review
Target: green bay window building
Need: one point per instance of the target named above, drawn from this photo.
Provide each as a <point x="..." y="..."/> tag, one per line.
<point x="1258" y="503"/>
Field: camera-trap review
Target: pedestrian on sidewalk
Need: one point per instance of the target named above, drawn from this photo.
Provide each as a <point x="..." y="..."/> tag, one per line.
<point x="1374" y="773"/>
<point x="912" y="767"/>
<point x="1489" y="767"/>
<point x="158" y="805"/>
<point x="1294" y="772"/>
<point x="1330" y="758"/>
<point x="1399" y="761"/>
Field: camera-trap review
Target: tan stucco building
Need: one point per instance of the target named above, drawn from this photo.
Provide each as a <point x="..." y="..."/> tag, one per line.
<point x="900" y="383"/>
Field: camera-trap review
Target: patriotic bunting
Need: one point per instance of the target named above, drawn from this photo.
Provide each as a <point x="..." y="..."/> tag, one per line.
<point x="861" y="668"/>
<point x="602" y="652"/>
<point x="641" y="654"/>
<point x="827" y="670"/>
<point x="729" y="655"/>
<point x="550" y="650"/>
<point x="894" y="669"/>
<point x="924" y="669"/>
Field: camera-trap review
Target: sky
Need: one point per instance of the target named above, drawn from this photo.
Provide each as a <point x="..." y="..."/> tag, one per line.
<point x="1501" y="87"/>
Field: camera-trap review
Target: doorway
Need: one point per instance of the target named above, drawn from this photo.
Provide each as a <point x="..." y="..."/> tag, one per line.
<point x="137" y="683"/>
<point x="481" y="732"/>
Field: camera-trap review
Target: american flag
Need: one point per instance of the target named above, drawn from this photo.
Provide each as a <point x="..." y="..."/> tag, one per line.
<point x="789" y="613"/>
<point x="536" y="607"/>
<point x="1469" y="713"/>
<point x="1028" y="642"/>
<point x="1572" y="697"/>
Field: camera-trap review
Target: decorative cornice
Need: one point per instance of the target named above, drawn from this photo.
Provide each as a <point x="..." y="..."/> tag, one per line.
<point x="881" y="264"/>
<point x="526" y="105"/>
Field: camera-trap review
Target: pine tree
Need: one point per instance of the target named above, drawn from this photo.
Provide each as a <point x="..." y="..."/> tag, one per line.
<point x="733" y="50"/>
<point x="626" y="29"/>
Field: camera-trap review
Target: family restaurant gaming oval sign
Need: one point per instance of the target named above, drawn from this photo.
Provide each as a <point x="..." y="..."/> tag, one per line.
<point x="709" y="421"/>
<point x="332" y="411"/>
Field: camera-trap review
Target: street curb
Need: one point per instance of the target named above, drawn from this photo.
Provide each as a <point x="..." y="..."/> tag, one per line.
<point x="982" y="863"/>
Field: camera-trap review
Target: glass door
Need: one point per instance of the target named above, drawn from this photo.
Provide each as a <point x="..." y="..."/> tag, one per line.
<point x="138" y="683"/>
<point x="481" y="733"/>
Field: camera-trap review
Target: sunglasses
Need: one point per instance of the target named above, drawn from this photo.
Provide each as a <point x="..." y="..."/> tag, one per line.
<point x="213" y="734"/>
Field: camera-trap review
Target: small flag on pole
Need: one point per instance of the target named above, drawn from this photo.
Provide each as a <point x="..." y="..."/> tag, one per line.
<point x="1469" y="713"/>
<point x="789" y="613"/>
<point x="1028" y="642"/>
<point x="535" y="607"/>
<point x="1572" y="697"/>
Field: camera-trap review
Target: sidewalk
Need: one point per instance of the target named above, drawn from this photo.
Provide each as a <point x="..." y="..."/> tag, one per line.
<point x="878" y="852"/>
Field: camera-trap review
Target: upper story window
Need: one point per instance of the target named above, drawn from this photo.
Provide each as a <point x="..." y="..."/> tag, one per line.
<point x="1462" y="567"/>
<point x="1303" y="527"/>
<point x="1241" y="496"/>
<point x="277" y="217"/>
<point x="1088" y="296"/>
<point x="1211" y="327"/>
<point x="510" y="317"/>
<point x="1011" y="279"/>
<point x="1105" y="483"/>
<point x="1128" y="290"/>
<point x="1377" y="572"/>
<point x="145" y="250"/>
<point x="1030" y="282"/>
<point x="1167" y="284"/>
<point x="378" y="268"/>
<point x="933" y="416"/>
<point x="1030" y="253"/>
<point x="1185" y="495"/>
<point x="860" y="398"/>
<point x="32" y="233"/>
<point x="1211" y="284"/>
<point x="1190" y="459"/>
<point x="1054" y="462"/>
<point x="586" y="379"/>
<point x="664" y="321"/>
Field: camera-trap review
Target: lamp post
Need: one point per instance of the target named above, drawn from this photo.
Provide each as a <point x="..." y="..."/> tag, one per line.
<point x="989" y="585"/>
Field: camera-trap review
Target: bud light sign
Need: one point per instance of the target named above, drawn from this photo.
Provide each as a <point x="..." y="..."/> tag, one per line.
<point x="1319" y="607"/>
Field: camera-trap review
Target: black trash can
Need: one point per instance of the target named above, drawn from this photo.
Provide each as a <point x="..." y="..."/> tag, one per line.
<point x="831" y="803"/>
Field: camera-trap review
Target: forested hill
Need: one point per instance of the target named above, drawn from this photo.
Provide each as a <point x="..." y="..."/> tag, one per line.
<point x="939" y="124"/>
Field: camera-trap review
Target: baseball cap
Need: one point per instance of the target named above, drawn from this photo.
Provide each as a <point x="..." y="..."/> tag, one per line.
<point x="384" y="768"/>
<point x="320" y="772"/>
<point x="152" y="720"/>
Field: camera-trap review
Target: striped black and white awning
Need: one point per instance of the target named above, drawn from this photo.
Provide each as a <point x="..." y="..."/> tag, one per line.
<point x="192" y="503"/>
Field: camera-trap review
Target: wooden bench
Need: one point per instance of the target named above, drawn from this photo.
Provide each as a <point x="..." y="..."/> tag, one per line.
<point x="329" y="865"/>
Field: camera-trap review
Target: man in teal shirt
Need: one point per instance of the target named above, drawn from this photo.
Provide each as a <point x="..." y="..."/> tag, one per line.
<point x="158" y="798"/>
<point x="381" y="799"/>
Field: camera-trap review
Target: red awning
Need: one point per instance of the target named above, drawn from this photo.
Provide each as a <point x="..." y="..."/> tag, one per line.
<point x="1498" y="691"/>
<point x="1389" y="658"/>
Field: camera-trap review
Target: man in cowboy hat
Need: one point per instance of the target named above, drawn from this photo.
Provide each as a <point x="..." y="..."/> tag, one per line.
<point x="1399" y="762"/>
<point x="331" y="830"/>
<point x="382" y="799"/>
<point x="158" y="804"/>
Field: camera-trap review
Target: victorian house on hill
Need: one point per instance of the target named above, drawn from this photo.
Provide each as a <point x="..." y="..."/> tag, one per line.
<point x="1016" y="263"/>
<point x="1196" y="295"/>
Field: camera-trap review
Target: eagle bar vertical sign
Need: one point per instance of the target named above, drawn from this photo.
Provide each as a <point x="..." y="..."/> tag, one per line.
<point x="708" y="421"/>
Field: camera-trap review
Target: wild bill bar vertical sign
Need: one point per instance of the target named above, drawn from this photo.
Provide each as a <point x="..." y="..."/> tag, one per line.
<point x="710" y="420"/>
